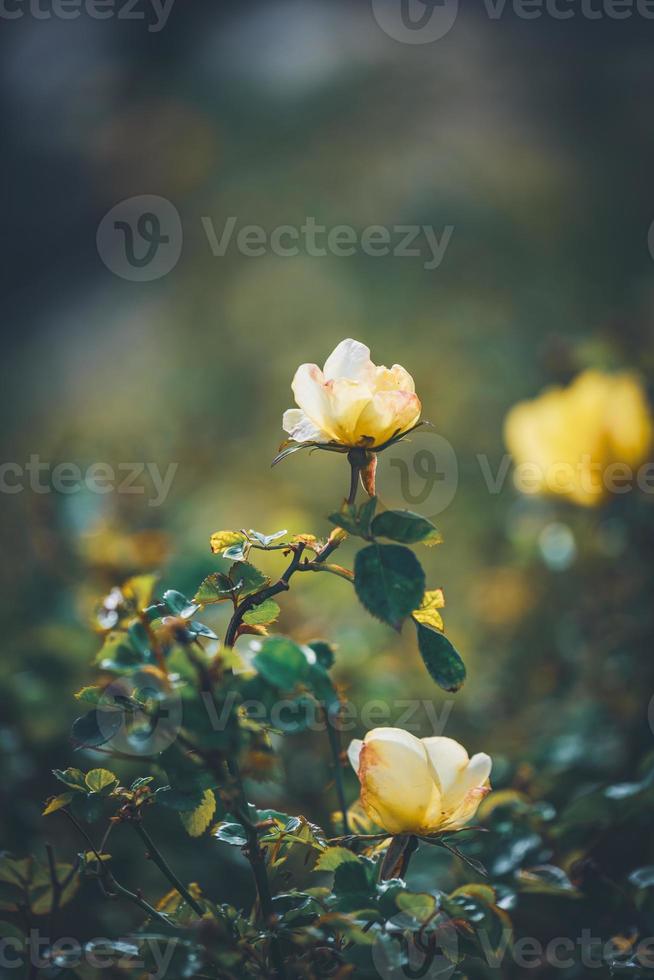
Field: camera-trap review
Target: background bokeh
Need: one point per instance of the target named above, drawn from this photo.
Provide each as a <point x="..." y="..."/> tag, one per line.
<point x="533" y="139"/>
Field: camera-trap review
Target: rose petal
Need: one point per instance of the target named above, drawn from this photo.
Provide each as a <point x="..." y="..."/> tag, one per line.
<point x="350" y="359"/>
<point x="397" y="786"/>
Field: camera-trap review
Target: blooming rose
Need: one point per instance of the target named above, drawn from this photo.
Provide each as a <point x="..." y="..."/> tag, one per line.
<point x="351" y="401"/>
<point x="415" y="785"/>
<point x="571" y="436"/>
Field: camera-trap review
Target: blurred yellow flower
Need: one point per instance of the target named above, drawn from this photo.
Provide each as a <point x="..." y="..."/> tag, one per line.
<point x="415" y="785"/>
<point x="577" y="441"/>
<point x="351" y="401"/>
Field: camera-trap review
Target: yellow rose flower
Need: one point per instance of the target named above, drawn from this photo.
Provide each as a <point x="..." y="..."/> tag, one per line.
<point x="568" y="438"/>
<point x="415" y="785"/>
<point x="351" y="401"/>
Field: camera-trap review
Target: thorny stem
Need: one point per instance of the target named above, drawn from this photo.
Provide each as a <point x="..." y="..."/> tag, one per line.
<point x="108" y="883"/>
<point x="282" y="585"/>
<point x="163" y="866"/>
<point x="57" y="887"/>
<point x="254" y="852"/>
<point x="255" y="600"/>
<point x="258" y="864"/>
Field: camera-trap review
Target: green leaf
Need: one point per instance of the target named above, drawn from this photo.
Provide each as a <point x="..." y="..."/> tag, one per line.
<point x="356" y="520"/>
<point x="89" y="732"/>
<point x="98" y="780"/>
<point x="178" y="604"/>
<point x="389" y="582"/>
<point x="281" y="662"/>
<point x="140" y="639"/>
<point x="333" y="858"/>
<point x="118" y="653"/>
<point x="196" y="821"/>
<point x="238" y="552"/>
<point x="246" y="578"/>
<point x="266" y="540"/>
<point x="73" y="778"/>
<point x="215" y="588"/>
<point x="231" y="833"/>
<point x="14" y="871"/>
<point x="324" y="653"/>
<point x="405" y="527"/>
<point x="421" y="905"/>
<point x="441" y="659"/>
<point x="262" y="615"/>
<point x="354" y="885"/>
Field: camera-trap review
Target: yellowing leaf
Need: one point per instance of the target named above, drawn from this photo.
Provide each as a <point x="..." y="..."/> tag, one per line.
<point x="337" y="536"/>
<point x="99" y="779"/>
<point x="196" y="821"/>
<point x="308" y="540"/>
<point x="427" y="612"/>
<point x="56" y="803"/>
<point x="170" y="902"/>
<point x="139" y="589"/>
<point x="90" y="695"/>
<point x="333" y="858"/>
<point x="225" y="539"/>
<point x="483" y="892"/>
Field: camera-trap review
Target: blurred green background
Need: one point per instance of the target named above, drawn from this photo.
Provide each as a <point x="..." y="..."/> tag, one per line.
<point x="532" y="138"/>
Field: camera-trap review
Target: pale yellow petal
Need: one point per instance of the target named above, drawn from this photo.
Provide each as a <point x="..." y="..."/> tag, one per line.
<point x="466" y="810"/>
<point x="350" y="359"/>
<point x="449" y="760"/>
<point x="310" y="395"/>
<point x="393" y="379"/>
<point x="300" y="427"/>
<point x="389" y="413"/>
<point x="397" y="786"/>
<point x="347" y="400"/>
